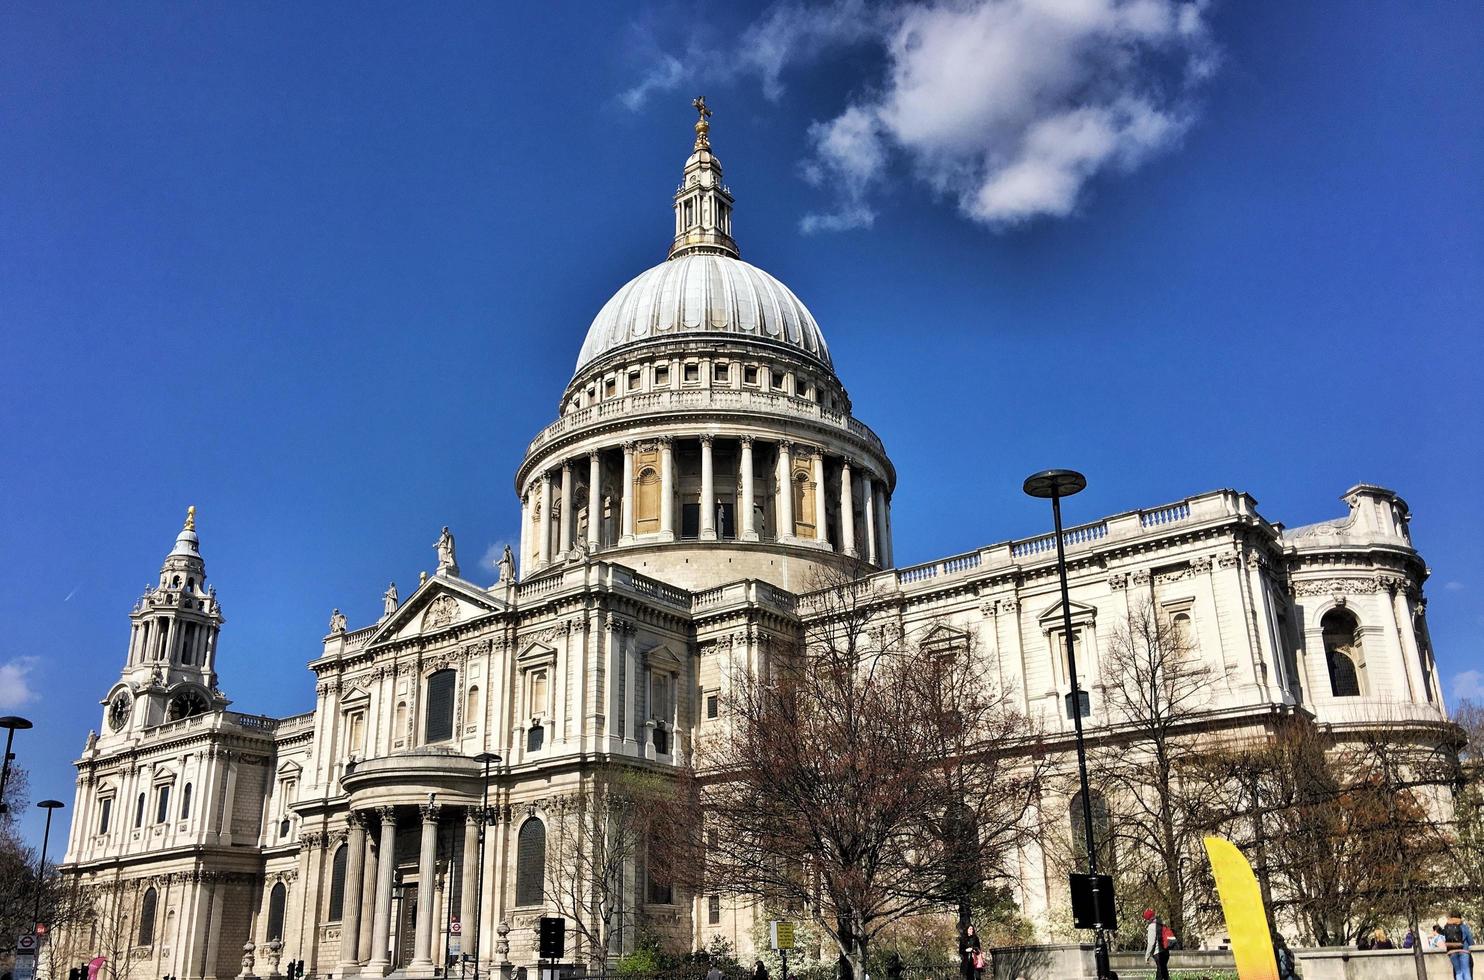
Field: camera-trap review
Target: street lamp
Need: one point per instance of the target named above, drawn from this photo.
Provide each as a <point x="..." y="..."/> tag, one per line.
<point x="48" y="806"/>
<point x="10" y="723"/>
<point x="1056" y="484"/>
<point x="486" y="759"/>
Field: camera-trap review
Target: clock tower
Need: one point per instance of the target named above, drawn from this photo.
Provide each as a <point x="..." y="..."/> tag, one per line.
<point x="170" y="671"/>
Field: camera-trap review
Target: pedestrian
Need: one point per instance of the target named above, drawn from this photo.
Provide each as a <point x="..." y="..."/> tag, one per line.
<point x="714" y="973"/>
<point x="972" y="956"/>
<point x="1435" y="942"/>
<point x="759" y="971"/>
<point x="1457" y="938"/>
<point x="1284" y="957"/>
<point x="1409" y="940"/>
<point x="1379" y="939"/>
<point x="1157" y="945"/>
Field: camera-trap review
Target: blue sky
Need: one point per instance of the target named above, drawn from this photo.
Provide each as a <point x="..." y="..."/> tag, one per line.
<point x="323" y="270"/>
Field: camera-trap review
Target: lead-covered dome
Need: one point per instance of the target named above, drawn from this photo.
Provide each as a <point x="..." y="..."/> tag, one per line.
<point x="703" y="293"/>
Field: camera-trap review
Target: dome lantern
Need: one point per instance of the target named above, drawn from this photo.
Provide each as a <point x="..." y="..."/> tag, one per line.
<point x="703" y="205"/>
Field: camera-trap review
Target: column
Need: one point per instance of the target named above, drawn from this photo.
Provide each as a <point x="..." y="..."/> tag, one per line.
<point x="868" y="499"/>
<point x="568" y="510"/>
<point x="749" y="522"/>
<point x="847" y="509"/>
<point x="525" y="532"/>
<point x="883" y="546"/>
<point x="543" y="526"/>
<point x="350" y="907"/>
<point x="469" y="878"/>
<point x="627" y="535"/>
<point x="667" y="488"/>
<point x="821" y="531"/>
<point x="367" y="898"/>
<point x="886" y="541"/>
<point x="381" y="928"/>
<point x="427" y="886"/>
<point x="594" y="500"/>
<point x="708" y="491"/>
<point x="785" y="513"/>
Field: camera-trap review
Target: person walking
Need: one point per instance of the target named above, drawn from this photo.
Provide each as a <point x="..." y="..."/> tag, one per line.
<point x="759" y="971"/>
<point x="1457" y="938"/>
<point x="972" y="956"/>
<point x="1284" y="958"/>
<point x="1157" y="946"/>
<point x="714" y="973"/>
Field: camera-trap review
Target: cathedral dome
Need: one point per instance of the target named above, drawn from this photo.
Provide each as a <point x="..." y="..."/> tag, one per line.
<point x="703" y="293"/>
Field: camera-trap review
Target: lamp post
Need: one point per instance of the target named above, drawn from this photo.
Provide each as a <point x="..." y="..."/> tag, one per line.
<point x="1056" y="484"/>
<point x="48" y="806"/>
<point x="486" y="758"/>
<point x="11" y="724"/>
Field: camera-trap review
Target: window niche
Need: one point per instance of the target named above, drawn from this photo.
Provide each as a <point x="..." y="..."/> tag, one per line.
<point x="1344" y="653"/>
<point x="536" y="666"/>
<point x="530" y="863"/>
<point x="1084" y="649"/>
<point x="438" y="719"/>
<point x="663" y="671"/>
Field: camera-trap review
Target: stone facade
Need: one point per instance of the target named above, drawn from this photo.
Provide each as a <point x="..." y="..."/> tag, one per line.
<point x="704" y="467"/>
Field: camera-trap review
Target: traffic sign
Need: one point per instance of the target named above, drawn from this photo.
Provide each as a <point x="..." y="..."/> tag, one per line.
<point x="781" y="932"/>
<point x="455" y="927"/>
<point x="25" y="945"/>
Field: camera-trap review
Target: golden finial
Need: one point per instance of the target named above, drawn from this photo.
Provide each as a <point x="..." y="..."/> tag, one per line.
<point x="190" y="524"/>
<point x="703" y="127"/>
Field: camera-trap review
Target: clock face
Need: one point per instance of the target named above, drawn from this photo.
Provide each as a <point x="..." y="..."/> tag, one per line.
<point x="187" y="704"/>
<point x="118" y="710"/>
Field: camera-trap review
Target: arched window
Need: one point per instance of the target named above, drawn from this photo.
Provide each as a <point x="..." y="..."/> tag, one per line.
<point x="162" y="809"/>
<point x="185" y="802"/>
<point x="399" y="729"/>
<point x="647" y="509"/>
<point x="337" y="885"/>
<point x="471" y="707"/>
<point x="147" y="918"/>
<point x="276" y="901"/>
<point x="139" y="811"/>
<point x="803" y="504"/>
<point x="1342" y="653"/>
<point x="1102" y="832"/>
<point x="438" y="722"/>
<point x="530" y="863"/>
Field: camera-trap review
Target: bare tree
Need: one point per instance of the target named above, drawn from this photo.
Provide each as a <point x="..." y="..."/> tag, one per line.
<point x="594" y="847"/>
<point x="1466" y="842"/>
<point x="1155" y="688"/>
<point x="867" y="777"/>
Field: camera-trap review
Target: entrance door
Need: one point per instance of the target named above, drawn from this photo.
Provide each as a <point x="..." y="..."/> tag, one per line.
<point x="407" y="926"/>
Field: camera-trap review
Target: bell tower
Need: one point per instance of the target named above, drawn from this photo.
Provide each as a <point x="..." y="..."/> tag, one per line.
<point x="703" y="204"/>
<point x="170" y="671"/>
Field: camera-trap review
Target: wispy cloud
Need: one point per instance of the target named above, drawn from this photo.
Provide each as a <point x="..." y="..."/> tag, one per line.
<point x="1468" y="685"/>
<point x="490" y="562"/>
<point x="665" y="75"/>
<point x="1009" y="108"/>
<point x="1454" y="586"/>
<point x="15" y="686"/>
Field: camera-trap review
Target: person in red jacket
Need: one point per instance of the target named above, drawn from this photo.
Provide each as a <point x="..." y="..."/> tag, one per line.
<point x="1157" y="946"/>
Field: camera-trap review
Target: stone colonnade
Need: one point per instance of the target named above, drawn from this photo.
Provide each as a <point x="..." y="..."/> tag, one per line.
<point x="549" y="508"/>
<point x="372" y="887"/>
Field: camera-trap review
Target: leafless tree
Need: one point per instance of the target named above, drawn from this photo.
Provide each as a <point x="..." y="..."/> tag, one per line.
<point x="867" y="775"/>
<point x="1466" y="842"/>
<point x="594" y="846"/>
<point x="1156" y="689"/>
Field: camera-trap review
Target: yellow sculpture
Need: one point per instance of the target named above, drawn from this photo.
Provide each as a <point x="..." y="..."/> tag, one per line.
<point x="190" y="524"/>
<point x="1241" y="902"/>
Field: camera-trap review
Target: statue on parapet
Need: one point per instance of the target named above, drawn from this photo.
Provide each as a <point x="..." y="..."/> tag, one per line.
<point x="447" y="562"/>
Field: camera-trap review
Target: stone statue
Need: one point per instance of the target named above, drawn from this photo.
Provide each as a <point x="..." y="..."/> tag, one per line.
<point x="507" y="566"/>
<point x="502" y="946"/>
<point x="389" y="600"/>
<point x="447" y="562"/>
<point x="337" y="621"/>
<point x="273" y="952"/>
<point x="247" y="960"/>
<point x="92" y="739"/>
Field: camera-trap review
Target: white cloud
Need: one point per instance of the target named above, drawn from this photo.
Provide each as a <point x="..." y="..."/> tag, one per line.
<point x="15" y="687"/>
<point x="490" y="561"/>
<point x="1007" y="107"/>
<point x="663" y="76"/>
<point x="1468" y="686"/>
<point x="1454" y="586"/>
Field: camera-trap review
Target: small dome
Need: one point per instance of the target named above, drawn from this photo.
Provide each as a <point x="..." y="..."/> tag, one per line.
<point x="697" y="294"/>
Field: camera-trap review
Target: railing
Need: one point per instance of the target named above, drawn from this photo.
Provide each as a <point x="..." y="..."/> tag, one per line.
<point x="1069" y="537"/>
<point x="709" y="597"/>
<point x="261" y="723"/>
<point x="1164" y="515"/>
<point x="539" y="586"/>
<point x="294" y="723"/>
<point x="777" y="597"/>
<point x="643" y="403"/>
<point x="356" y="639"/>
<point x="656" y="589"/>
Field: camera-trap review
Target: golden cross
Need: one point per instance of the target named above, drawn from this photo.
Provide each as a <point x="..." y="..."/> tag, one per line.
<point x="700" y="106"/>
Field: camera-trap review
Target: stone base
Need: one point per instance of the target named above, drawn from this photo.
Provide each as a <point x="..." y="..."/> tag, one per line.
<point x="1071" y="961"/>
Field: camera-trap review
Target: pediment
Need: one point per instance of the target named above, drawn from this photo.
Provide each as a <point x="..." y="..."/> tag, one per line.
<point x="660" y="655"/>
<point x="289" y="770"/>
<point x="439" y="603"/>
<point x="534" y="654"/>
<point x="1082" y="615"/>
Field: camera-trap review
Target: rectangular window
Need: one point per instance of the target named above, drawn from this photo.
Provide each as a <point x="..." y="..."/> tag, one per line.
<point x="105" y="813"/>
<point x="535" y="738"/>
<point x="720" y="372"/>
<point x="355" y="732"/>
<point x="610" y="387"/>
<point x="662" y="376"/>
<point x="749" y="374"/>
<point x="713" y="706"/>
<point x="690" y="520"/>
<point x="776" y="381"/>
<point x="538" y="693"/>
<point x="692" y="372"/>
<point x="713" y="910"/>
<point x="162" y="808"/>
<point x="633" y="380"/>
<point x="438" y="723"/>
